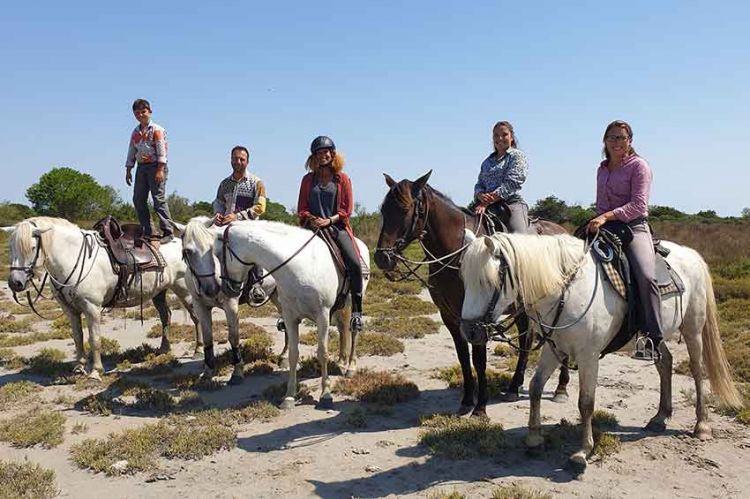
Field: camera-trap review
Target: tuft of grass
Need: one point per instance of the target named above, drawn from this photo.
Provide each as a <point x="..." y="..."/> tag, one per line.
<point x="17" y="340"/>
<point x="404" y="327"/>
<point x="237" y="416"/>
<point x="378" y="344"/>
<point x="194" y="382"/>
<point x="141" y="447"/>
<point x="462" y="438"/>
<point x="148" y="313"/>
<point x="497" y="381"/>
<point x="446" y="495"/>
<point x="79" y="428"/>
<point x="503" y="350"/>
<point x="267" y="310"/>
<point x="11" y="324"/>
<point x="357" y="418"/>
<point x="377" y="387"/>
<point x="516" y="491"/>
<point x="276" y="393"/>
<point x="402" y="306"/>
<point x="48" y="362"/>
<point x="309" y="367"/>
<point x="17" y="392"/>
<point x="109" y="348"/>
<point x="137" y="355"/>
<point x="606" y="444"/>
<point x="154" y="399"/>
<point x="156" y="364"/>
<point x="27" y="480"/>
<point x="42" y="427"/>
<point x="177" y="332"/>
<point x="604" y="419"/>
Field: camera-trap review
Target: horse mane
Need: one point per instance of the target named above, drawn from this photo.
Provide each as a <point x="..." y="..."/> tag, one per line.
<point x="197" y="233"/>
<point x="20" y="238"/>
<point x="540" y="265"/>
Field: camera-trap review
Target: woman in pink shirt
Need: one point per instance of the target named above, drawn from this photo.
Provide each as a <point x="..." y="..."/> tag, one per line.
<point x="623" y="186"/>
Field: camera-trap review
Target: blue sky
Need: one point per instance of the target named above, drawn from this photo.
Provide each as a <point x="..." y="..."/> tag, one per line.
<point x="402" y="87"/>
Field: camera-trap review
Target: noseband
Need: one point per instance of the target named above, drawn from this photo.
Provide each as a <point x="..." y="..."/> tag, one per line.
<point x="29" y="269"/>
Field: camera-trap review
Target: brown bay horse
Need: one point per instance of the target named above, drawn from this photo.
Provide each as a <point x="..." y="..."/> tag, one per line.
<point x="415" y="211"/>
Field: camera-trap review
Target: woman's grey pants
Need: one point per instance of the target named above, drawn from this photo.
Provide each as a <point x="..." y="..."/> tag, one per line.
<point x="642" y="260"/>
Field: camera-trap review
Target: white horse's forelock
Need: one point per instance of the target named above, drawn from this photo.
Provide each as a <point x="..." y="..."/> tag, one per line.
<point x="21" y="238"/>
<point x="198" y="234"/>
<point x="540" y="264"/>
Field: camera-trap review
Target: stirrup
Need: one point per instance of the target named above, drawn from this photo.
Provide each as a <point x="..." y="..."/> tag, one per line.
<point x="645" y="350"/>
<point x="280" y="325"/>
<point x="355" y="324"/>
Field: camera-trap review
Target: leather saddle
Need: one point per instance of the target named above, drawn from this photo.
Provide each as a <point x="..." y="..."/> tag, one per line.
<point x="497" y="217"/>
<point x="329" y="238"/>
<point x="609" y="251"/>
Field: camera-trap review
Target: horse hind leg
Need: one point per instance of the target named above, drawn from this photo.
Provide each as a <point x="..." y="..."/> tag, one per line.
<point x="292" y="331"/>
<point x="587" y="379"/>
<point x="77" y="332"/>
<point x="462" y="352"/>
<point x="347" y="342"/>
<point x="527" y="340"/>
<point x="694" y="343"/>
<point x="165" y="316"/>
<point x="281" y="326"/>
<point x="659" y="422"/>
<point x="187" y="301"/>
<point x="326" y="399"/>
<point x="92" y="317"/>
<point x="561" y="392"/>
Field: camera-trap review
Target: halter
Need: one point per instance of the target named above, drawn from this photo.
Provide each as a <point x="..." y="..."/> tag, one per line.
<point x="186" y="259"/>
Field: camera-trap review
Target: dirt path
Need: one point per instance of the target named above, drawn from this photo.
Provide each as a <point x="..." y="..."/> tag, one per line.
<point x="308" y="452"/>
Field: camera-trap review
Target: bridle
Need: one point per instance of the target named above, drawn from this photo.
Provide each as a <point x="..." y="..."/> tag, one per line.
<point x="196" y="275"/>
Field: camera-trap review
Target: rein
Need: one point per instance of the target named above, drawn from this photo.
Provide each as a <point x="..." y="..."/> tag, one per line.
<point x="227" y="247"/>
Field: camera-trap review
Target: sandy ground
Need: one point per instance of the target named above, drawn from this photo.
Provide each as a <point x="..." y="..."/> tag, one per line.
<point x="308" y="452"/>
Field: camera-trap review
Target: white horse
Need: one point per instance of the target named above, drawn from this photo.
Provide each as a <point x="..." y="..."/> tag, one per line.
<point x="82" y="279"/>
<point x="535" y="269"/>
<point x="307" y="284"/>
<point x="204" y="283"/>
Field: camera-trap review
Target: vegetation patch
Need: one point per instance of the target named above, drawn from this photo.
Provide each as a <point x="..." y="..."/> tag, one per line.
<point x="357" y="418"/>
<point x="604" y="420"/>
<point x="377" y="387"/>
<point x="139" y="449"/>
<point x="42" y="427"/>
<point x="156" y="364"/>
<point x="606" y="444"/>
<point x="108" y="347"/>
<point x="446" y="495"/>
<point x="11" y="324"/>
<point x="403" y="327"/>
<point x="309" y="367"/>
<point x="27" y="480"/>
<point x="402" y="306"/>
<point x="148" y="313"/>
<point x="497" y="381"/>
<point x="18" y="391"/>
<point x="276" y="393"/>
<point x="17" y="340"/>
<point x="371" y="344"/>
<point x="516" y="491"/>
<point x="48" y="362"/>
<point x="267" y="310"/>
<point x="462" y="438"/>
<point x="194" y="381"/>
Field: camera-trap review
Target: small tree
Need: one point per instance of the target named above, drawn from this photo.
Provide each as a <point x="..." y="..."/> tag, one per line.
<point x="68" y="193"/>
<point x="745" y="212"/>
<point x="277" y="212"/>
<point x="550" y="208"/>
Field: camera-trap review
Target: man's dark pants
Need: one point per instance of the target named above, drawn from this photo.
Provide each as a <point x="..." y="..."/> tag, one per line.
<point x="145" y="183"/>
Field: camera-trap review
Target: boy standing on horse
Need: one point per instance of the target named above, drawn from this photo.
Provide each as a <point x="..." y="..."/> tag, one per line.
<point x="148" y="148"/>
<point x="241" y="196"/>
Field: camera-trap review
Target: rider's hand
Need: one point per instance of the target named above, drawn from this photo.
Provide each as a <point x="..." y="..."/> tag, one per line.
<point x="597" y="222"/>
<point x="159" y="175"/>
<point x="129" y="177"/>
<point x="218" y="219"/>
<point x="480" y="208"/>
<point x="227" y="219"/>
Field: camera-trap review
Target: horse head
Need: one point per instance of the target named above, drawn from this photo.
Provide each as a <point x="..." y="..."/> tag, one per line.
<point x="25" y="252"/>
<point x="198" y="243"/>
<point x="485" y="273"/>
<point x="404" y="217"/>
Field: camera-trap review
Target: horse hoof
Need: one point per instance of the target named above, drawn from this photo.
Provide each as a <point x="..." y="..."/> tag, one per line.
<point x="703" y="432"/>
<point x="198" y="355"/>
<point x="287" y="404"/>
<point x="509" y="397"/>
<point x="577" y="464"/>
<point x="560" y="398"/>
<point x="464" y="410"/>
<point x="325" y="403"/>
<point x="95" y="375"/>
<point x="480" y="414"/>
<point x="80" y="370"/>
<point x="656" y="426"/>
<point x="235" y="380"/>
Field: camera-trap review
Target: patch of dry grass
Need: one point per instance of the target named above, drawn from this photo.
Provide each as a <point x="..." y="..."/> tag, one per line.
<point x="497" y="381"/>
<point x="606" y="444"/>
<point x="604" y="419"/>
<point x="12" y="324"/>
<point x="17" y="340"/>
<point x="108" y="347"/>
<point x="41" y="427"/>
<point x="141" y="447"/>
<point x="148" y="313"/>
<point x="462" y="438"/>
<point x="276" y="393"/>
<point x="403" y="327"/>
<point x="27" y="480"/>
<point x="267" y="310"/>
<point x="401" y="306"/>
<point x="446" y="495"/>
<point x="377" y="387"/>
<point x="48" y="362"/>
<point x="17" y="392"/>
<point x="309" y="367"/>
<point x="516" y="491"/>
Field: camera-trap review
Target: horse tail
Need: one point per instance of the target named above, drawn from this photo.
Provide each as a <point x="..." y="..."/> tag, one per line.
<point x="714" y="357"/>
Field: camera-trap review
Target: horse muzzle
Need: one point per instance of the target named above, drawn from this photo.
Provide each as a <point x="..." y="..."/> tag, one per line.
<point x="475" y="332"/>
<point x="384" y="260"/>
<point x="18" y="281"/>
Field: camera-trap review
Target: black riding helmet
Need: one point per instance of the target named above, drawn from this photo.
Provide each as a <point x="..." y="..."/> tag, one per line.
<point x="322" y="142"/>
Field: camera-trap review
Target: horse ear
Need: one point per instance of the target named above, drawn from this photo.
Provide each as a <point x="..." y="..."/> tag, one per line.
<point x="8" y="229"/>
<point x="178" y="228"/>
<point x="389" y="180"/>
<point x="418" y="185"/>
<point x="491" y="245"/>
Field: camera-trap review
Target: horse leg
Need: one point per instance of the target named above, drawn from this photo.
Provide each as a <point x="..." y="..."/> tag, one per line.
<point x="462" y="351"/>
<point x="283" y="360"/>
<point x="561" y="392"/>
<point x="77" y="332"/>
<point x="342" y="318"/>
<point x="326" y="400"/>
<point x="187" y="301"/>
<point x="587" y="376"/>
<point x="479" y="357"/>
<point x="231" y="309"/>
<point x="664" y="366"/>
<point x="203" y="315"/>
<point x="547" y="365"/>
<point x="292" y="331"/>
<point x="527" y="341"/>
<point x="165" y="317"/>
<point x="92" y="317"/>
<point x="694" y="343"/>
